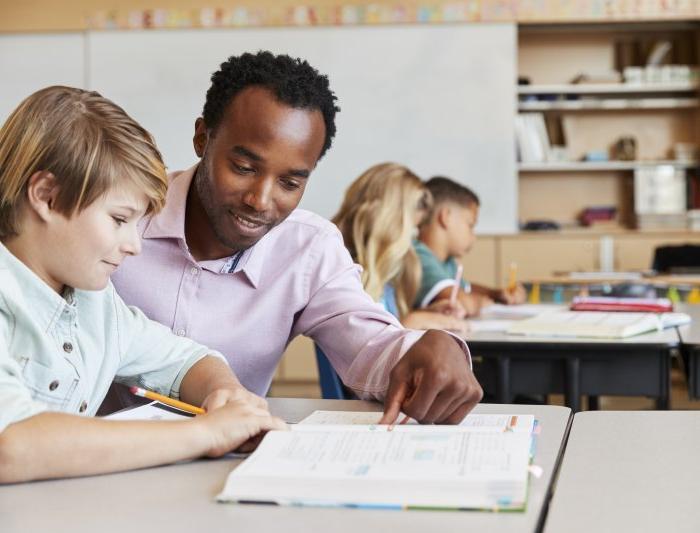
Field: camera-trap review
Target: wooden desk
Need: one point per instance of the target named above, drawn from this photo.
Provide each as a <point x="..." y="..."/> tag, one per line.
<point x="629" y="471"/>
<point x="635" y="366"/>
<point x="180" y="498"/>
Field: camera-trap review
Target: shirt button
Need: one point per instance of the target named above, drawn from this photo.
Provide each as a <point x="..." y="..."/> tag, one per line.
<point x="53" y="385"/>
<point x="180" y="332"/>
<point x="83" y="406"/>
<point x="67" y="347"/>
<point x="194" y="271"/>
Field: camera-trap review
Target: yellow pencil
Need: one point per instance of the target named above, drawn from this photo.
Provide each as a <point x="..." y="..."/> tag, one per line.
<point x="138" y="391"/>
<point x="513" y="277"/>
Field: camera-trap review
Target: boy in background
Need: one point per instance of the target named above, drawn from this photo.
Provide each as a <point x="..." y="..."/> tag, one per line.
<point x="445" y="236"/>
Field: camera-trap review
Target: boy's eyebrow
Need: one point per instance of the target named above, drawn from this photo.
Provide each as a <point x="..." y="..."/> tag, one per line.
<point x="129" y="208"/>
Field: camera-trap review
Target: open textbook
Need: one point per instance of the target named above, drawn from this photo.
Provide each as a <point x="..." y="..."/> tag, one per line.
<point x="593" y="324"/>
<point x="482" y="464"/>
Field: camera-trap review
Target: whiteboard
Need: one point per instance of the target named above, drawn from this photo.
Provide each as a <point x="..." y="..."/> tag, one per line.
<point x="29" y="62"/>
<point x="440" y="99"/>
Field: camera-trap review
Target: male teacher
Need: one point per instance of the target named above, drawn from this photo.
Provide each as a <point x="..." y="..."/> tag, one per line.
<point x="231" y="262"/>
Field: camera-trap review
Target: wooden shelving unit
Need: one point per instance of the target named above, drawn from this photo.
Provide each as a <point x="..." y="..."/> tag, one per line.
<point x="609" y="104"/>
<point x="592" y="117"/>
<point x="607" y="88"/>
<point x="603" y="166"/>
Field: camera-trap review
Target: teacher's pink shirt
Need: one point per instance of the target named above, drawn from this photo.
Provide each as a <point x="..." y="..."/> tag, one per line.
<point x="298" y="279"/>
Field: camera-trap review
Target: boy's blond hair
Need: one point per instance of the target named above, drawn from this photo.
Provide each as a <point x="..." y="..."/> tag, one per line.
<point x="377" y="219"/>
<point x="86" y="141"/>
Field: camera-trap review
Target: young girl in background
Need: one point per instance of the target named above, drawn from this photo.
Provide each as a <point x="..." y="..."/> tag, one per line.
<point x="378" y="220"/>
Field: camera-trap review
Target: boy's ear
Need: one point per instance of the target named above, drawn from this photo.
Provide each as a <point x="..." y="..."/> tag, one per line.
<point x="443" y="215"/>
<point x="201" y="137"/>
<point x="42" y="191"/>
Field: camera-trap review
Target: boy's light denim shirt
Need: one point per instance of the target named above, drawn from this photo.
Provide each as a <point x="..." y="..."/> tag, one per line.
<point x="61" y="353"/>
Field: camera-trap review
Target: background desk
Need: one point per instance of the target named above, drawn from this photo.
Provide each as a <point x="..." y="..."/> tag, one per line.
<point x="180" y="498"/>
<point x="690" y="337"/>
<point x="636" y="366"/>
<point x="629" y="471"/>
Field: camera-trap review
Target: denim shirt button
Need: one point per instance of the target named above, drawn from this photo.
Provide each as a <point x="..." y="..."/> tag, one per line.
<point x="83" y="406"/>
<point x="67" y="347"/>
<point x="53" y="385"/>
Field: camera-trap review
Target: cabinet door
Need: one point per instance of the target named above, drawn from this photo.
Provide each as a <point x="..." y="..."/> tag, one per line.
<point x="541" y="257"/>
<point x="480" y="263"/>
<point x="636" y="252"/>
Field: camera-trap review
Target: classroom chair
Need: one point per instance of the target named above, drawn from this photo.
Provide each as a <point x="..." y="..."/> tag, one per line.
<point x="677" y="259"/>
<point x="331" y="386"/>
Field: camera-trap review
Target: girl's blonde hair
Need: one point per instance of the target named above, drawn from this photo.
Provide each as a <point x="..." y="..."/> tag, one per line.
<point x="377" y="218"/>
<point x="86" y="141"/>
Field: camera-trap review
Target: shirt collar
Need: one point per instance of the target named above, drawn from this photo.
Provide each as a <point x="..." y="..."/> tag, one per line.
<point x="46" y="304"/>
<point x="170" y="224"/>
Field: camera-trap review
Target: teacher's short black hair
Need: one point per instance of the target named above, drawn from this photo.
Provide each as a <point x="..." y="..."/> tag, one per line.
<point x="293" y="81"/>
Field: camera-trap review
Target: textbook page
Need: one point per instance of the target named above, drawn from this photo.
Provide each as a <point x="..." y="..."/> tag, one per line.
<point x="475" y="422"/>
<point x="444" y="467"/>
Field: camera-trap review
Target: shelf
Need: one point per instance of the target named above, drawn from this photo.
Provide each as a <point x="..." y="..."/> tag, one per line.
<point x="585" y="166"/>
<point x="606" y="104"/>
<point x="608" y="88"/>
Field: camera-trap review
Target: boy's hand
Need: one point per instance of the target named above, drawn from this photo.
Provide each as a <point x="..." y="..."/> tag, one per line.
<point x="432" y="382"/>
<point x="220" y="397"/>
<point x="236" y="425"/>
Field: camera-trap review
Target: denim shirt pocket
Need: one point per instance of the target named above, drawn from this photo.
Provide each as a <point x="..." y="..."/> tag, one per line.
<point x="53" y="386"/>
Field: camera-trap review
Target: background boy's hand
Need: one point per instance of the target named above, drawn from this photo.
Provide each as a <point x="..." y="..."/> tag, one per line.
<point x="446" y="307"/>
<point x="512" y="297"/>
<point x="432" y="382"/>
<point x="237" y="425"/>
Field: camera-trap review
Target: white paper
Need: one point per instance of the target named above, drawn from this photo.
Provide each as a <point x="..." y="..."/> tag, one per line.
<point x="593" y="324"/>
<point x="515" y="312"/>
<point x="151" y="411"/>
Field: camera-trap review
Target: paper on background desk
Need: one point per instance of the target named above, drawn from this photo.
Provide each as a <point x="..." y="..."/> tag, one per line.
<point x="476" y="422"/>
<point x="517" y="312"/>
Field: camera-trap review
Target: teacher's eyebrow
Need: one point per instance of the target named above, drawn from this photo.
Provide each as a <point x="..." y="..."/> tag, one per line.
<point x="241" y="150"/>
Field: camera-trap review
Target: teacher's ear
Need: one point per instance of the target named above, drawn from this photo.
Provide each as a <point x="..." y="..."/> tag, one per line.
<point x="42" y="190"/>
<point x="201" y="137"/>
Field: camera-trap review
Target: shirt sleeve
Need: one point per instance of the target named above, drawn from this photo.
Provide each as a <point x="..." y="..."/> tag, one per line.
<point x="362" y="341"/>
<point x="434" y="277"/>
<point x="16" y="400"/>
<point x="152" y="356"/>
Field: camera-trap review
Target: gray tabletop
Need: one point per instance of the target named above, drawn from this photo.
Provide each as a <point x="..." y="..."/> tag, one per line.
<point x="180" y="498"/>
<point x="629" y="471"/>
<point x="690" y="334"/>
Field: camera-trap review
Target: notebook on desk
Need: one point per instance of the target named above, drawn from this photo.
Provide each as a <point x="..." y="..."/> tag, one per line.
<point x="409" y="466"/>
<point x="595" y="324"/>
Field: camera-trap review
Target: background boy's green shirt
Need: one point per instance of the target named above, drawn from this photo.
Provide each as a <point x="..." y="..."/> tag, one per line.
<point x="436" y="275"/>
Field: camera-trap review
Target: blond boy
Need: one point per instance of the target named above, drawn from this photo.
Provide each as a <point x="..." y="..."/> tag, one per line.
<point x="76" y="175"/>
